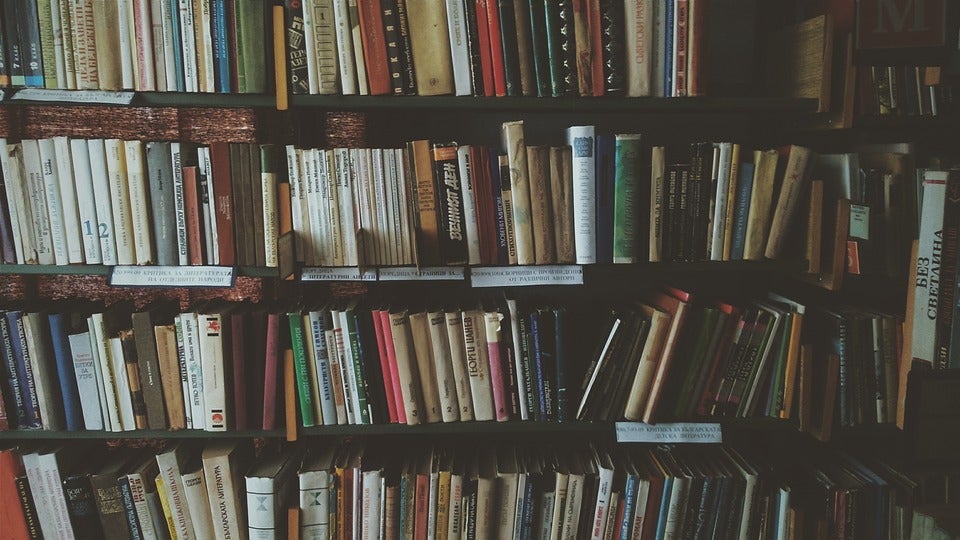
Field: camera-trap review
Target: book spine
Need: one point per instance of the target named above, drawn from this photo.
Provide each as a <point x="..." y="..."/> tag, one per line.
<point x="509" y="45"/>
<point x="680" y="25"/>
<point x="139" y="205"/>
<point x="929" y="264"/>
<point x="496" y="46"/>
<point x="625" y="241"/>
<point x="51" y="188"/>
<point x="129" y="510"/>
<point x="68" y="196"/>
<point x="541" y="211"/>
<point x="345" y="58"/>
<point x="515" y="145"/>
<point x="485" y="52"/>
<point x="29" y="509"/>
<point x="374" y="48"/>
<point x="477" y="365"/>
<point x="541" y="55"/>
<point x="300" y="363"/>
<point x="445" y="372"/>
<point x="24" y="370"/>
<point x="468" y="174"/>
<point x="16" y="394"/>
<point x="31" y="44"/>
<point x="741" y="211"/>
<point x="459" y="48"/>
<point x="474" y="39"/>
<point x="581" y="31"/>
<point x="568" y="46"/>
<point x="453" y="238"/>
<point x="581" y="140"/>
<point x="48" y="48"/>
<point x="297" y="71"/>
<point x="507" y="240"/>
<point x="492" y="329"/>
<point x="639" y="47"/>
<point x="391" y="34"/>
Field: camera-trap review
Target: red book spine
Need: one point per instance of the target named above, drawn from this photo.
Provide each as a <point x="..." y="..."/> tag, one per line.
<point x="237" y="336"/>
<point x="695" y="54"/>
<point x="223" y="201"/>
<point x="192" y="206"/>
<point x="496" y="380"/>
<point x="483" y="40"/>
<point x="11" y="515"/>
<point x="348" y="495"/>
<point x="481" y="196"/>
<point x="596" y="46"/>
<point x="271" y="368"/>
<point x="232" y="39"/>
<point x="496" y="46"/>
<point x="374" y="48"/>
<point x="394" y="378"/>
<point x="680" y="42"/>
<point x="421" y="502"/>
<point x="385" y="366"/>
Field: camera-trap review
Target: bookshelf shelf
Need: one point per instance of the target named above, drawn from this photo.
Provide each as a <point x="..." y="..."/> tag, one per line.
<point x="40" y="96"/>
<point x="37" y="434"/>
<point x="564" y="104"/>
<point x="101" y="270"/>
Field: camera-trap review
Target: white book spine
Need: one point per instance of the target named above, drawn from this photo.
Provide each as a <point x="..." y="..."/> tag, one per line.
<point x="184" y="374"/>
<point x="478" y="370"/>
<point x="370" y="501"/>
<point x="929" y="255"/>
<point x="188" y="44"/>
<point x="223" y="498"/>
<point x="328" y="410"/>
<point x="179" y="205"/>
<point x="126" y="50"/>
<point x="86" y="201"/>
<point x="310" y="44"/>
<point x="121" y="385"/>
<point x="469" y="204"/>
<point x="194" y="364"/>
<point x="210" y="207"/>
<point x="455" y="515"/>
<point x="98" y="374"/>
<point x="158" y="60"/>
<point x="379" y="196"/>
<point x="139" y="202"/>
<point x="353" y="378"/>
<point x="300" y="208"/>
<point x="581" y="140"/>
<point x="446" y="385"/>
<point x="325" y="44"/>
<point x="327" y="240"/>
<point x="458" y="361"/>
<point x="357" y="39"/>
<point x="58" y="50"/>
<point x="459" y="48"/>
<point x="68" y="197"/>
<point x="602" y="506"/>
<point x="638" y="21"/>
<point x="640" y="506"/>
<point x="720" y="208"/>
<point x="120" y="201"/>
<point x="214" y="379"/>
<point x="55" y="520"/>
<point x="33" y="170"/>
<point x="348" y="70"/>
<point x="108" y="386"/>
<point x="51" y="187"/>
<point x="206" y="201"/>
<point x="144" y="35"/>
<point x="362" y="208"/>
<point x="348" y="222"/>
<point x="20" y="218"/>
<point x="141" y="506"/>
<point x="261" y="508"/>
<point x="331" y="207"/>
<point x="392" y="240"/>
<point x="296" y="216"/>
<point x="170" y="48"/>
<point x="345" y="363"/>
<point x="100" y="177"/>
<point x="176" y="499"/>
<point x="317" y="252"/>
<point x="271" y="222"/>
<point x="209" y="84"/>
<point x="195" y="493"/>
<point x="314" y="505"/>
<point x="85" y="373"/>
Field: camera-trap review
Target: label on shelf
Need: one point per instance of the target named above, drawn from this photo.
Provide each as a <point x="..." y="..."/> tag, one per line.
<point x="427" y="273"/>
<point x="173" y="276"/>
<point x="338" y="274"/>
<point x="638" y="432"/>
<point x="520" y="276"/>
<point x="74" y="96"/>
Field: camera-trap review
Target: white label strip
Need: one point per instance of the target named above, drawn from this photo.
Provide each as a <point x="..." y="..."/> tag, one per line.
<point x="338" y="274"/>
<point x="412" y="273"/>
<point x="637" y="432"/>
<point x="74" y="96"/>
<point x="519" y="276"/>
<point x="172" y="276"/>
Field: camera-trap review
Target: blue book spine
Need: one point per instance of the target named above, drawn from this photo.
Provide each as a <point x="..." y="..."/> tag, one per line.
<point x="526" y="520"/>
<point x="664" y="506"/>
<point x="560" y="321"/>
<point x="68" y="379"/>
<point x="668" y="50"/>
<point x="538" y="362"/>
<point x="29" y="26"/>
<point x="630" y="491"/>
<point x="12" y="388"/>
<point x="606" y="180"/>
<point x="129" y="510"/>
<point x="24" y="370"/>
<point x="741" y="210"/>
<point x="221" y="46"/>
<point x="502" y="257"/>
<point x="178" y="45"/>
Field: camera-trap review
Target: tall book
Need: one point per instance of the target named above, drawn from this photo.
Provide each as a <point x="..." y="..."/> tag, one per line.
<point x="928" y="267"/>
<point x="791" y="189"/>
<point x="626" y="177"/>
<point x="513" y="142"/>
<point x="431" y="47"/>
<point x="581" y="141"/>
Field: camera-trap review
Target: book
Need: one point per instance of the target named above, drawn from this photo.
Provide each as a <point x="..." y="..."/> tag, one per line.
<point x="581" y="140"/>
<point x="514" y="144"/>
<point x="430" y="47"/>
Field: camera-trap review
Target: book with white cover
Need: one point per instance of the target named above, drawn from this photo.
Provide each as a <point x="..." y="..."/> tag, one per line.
<point x="21" y="220"/>
<point x="348" y="224"/>
<point x="478" y="368"/>
<point x="296" y="215"/>
<point x="98" y="374"/>
<point x="143" y="46"/>
<point x="315" y="239"/>
<point x="169" y="461"/>
<point x="101" y="197"/>
<point x="345" y="58"/>
<point x="127" y="47"/>
<point x="87" y="387"/>
<point x="120" y="201"/>
<point x="222" y="461"/>
<point x="315" y="480"/>
<point x="459" y="47"/>
<point x="205" y="46"/>
<point x="32" y="166"/>
<point x="581" y="140"/>
<point x="188" y="46"/>
<point x="182" y="364"/>
<point x="720" y="207"/>
<point x="170" y="47"/>
<point x="928" y="265"/>
<point x="51" y="187"/>
<point x="370" y="503"/>
<point x="195" y="492"/>
<point x="638" y="16"/>
<point x="86" y="203"/>
<point x="194" y="369"/>
<point x="469" y="204"/>
<point x="458" y="362"/>
<point x="210" y="326"/>
<point x="310" y="44"/>
<point x="68" y="200"/>
<point x="105" y="372"/>
<point x="443" y="366"/>
<point x="267" y="493"/>
<point x="211" y="235"/>
<point x="139" y="202"/>
<point x="121" y="383"/>
<point x="362" y="87"/>
<point x="43" y="475"/>
<point x="330" y="197"/>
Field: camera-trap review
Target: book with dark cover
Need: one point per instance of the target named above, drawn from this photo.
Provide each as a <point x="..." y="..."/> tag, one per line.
<point x="528" y="79"/>
<point x="243" y="192"/>
<point x="163" y="211"/>
<point x="256" y="343"/>
<point x="391" y="33"/>
<point x="500" y="223"/>
<point x="741" y="210"/>
<point x="13" y="397"/>
<point x="257" y="155"/>
<point x="73" y="415"/>
<point x="12" y="35"/>
<point x="568" y="47"/>
<point x="109" y="500"/>
<point x="543" y="327"/>
<point x="539" y="48"/>
<point x="683" y="224"/>
<point x="729" y="49"/>
<point x="358" y="361"/>
<point x="221" y="50"/>
<point x="528" y="365"/>
<point x="948" y="268"/>
<point x="667" y="51"/>
<point x="148" y="363"/>
<point x="238" y="337"/>
<point x="24" y="370"/>
<point x="473" y="42"/>
<point x="406" y="51"/>
<point x="223" y="194"/>
<point x="606" y="180"/>
<point x="374" y="48"/>
<point x="4" y="44"/>
<point x="82" y="507"/>
<point x="508" y="360"/>
<point x="129" y="510"/>
<point x="29" y="27"/>
<point x="509" y="42"/>
<point x="560" y="359"/>
<point x="373" y="374"/>
<point x="453" y="241"/>
<point x="133" y="378"/>
<point x="612" y="42"/>
<point x="700" y="172"/>
<point x="29" y="510"/>
<point x="558" y="79"/>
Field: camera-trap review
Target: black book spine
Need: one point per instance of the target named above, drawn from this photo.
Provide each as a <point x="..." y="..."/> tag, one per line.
<point x="297" y="71"/>
<point x="948" y="268"/>
<point x="554" y="54"/>
<point x="373" y="379"/>
<point x="29" y="26"/>
<point x="548" y="363"/>
<point x="12" y="42"/>
<point x="29" y="510"/>
<point x="473" y="41"/>
<point x="560" y="328"/>
<point x="526" y="365"/>
<point x="500" y="219"/>
<point x="669" y="219"/>
<point x="391" y="33"/>
<point x="508" y="38"/>
<point x="129" y="510"/>
<point x="568" y="47"/>
<point x="541" y="55"/>
<point x="11" y="388"/>
<point x="82" y="508"/>
<point x="683" y="217"/>
<point x="612" y="42"/>
<point x="406" y="51"/>
<point x="4" y="44"/>
<point x="453" y="241"/>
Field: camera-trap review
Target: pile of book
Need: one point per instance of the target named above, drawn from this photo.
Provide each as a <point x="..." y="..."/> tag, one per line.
<point x="544" y="49"/>
<point x="185" y="46"/>
<point x="905" y="90"/>
<point x="351" y="489"/>
<point x="597" y="200"/>
<point x="109" y="201"/>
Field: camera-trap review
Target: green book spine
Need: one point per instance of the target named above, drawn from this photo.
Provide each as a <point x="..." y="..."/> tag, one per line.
<point x="300" y="366"/>
<point x="252" y="45"/>
<point x="358" y="367"/>
<point x="775" y="401"/>
<point x="625" y="199"/>
<point x="45" y="16"/>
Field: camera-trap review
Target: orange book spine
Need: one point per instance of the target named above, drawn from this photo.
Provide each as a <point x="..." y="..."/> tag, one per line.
<point x="191" y="202"/>
<point x="374" y="49"/>
<point x="596" y="46"/>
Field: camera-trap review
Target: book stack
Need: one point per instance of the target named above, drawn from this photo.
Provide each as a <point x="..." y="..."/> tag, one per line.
<point x="164" y="46"/>
<point x="595" y="200"/>
<point x="116" y="202"/>
<point x="351" y="489"/>
<point x="518" y="48"/>
<point x="905" y="91"/>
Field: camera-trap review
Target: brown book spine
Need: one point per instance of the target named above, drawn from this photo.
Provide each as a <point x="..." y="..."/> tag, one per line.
<point x="149" y="369"/>
<point x="113" y="517"/>
<point x="191" y="203"/>
<point x="374" y="48"/>
<point x="223" y="201"/>
<point x="538" y="165"/>
<point x="170" y="376"/>
<point x="428" y="235"/>
<point x="105" y="15"/>
<point x="581" y="27"/>
<point x="289" y="395"/>
<point x="256" y="205"/>
<point x="528" y="77"/>
<point x="133" y="379"/>
<point x="680" y="41"/>
<point x="596" y="47"/>
<point x="431" y="47"/>
<point x="561" y="194"/>
<point x="695" y="57"/>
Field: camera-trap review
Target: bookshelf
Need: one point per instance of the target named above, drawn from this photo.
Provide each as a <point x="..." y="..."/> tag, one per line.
<point x="766" y="433"/>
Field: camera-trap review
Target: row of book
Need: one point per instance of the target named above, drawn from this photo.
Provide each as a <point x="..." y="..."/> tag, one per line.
<point x="905" y="91"/>
<point x="351" y="489"/>
<point x="522" y="48"/>
<point x="110" y="201"/>
<point x="166" y="45"/>
<point x="595" y="201"/>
